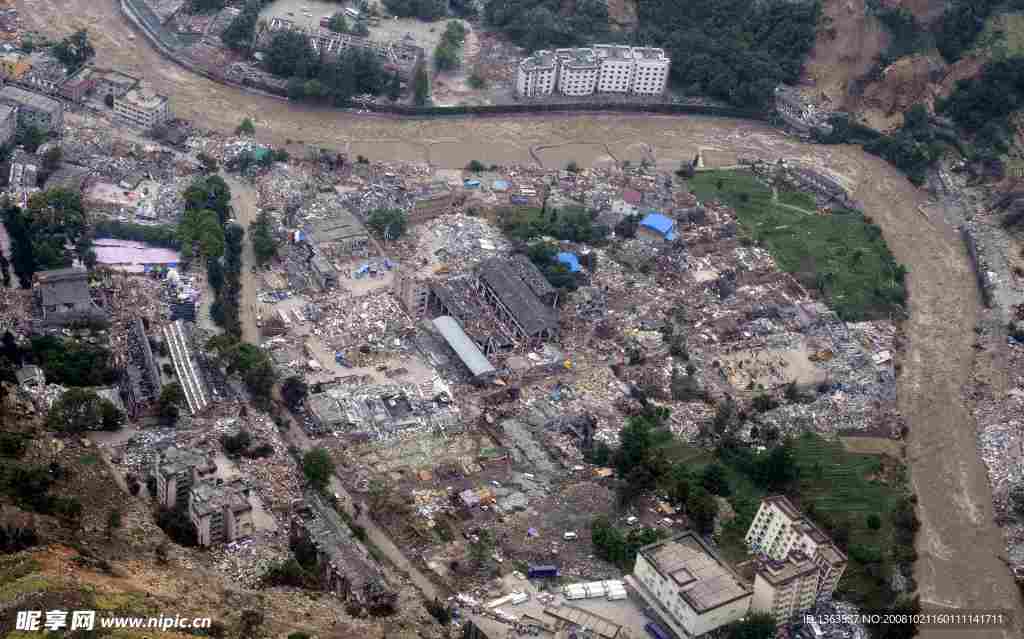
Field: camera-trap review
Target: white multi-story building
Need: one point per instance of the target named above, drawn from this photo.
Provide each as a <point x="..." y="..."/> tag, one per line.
<point x="617" y="67"/>
<point x="606" y="68"/>
<point x="577" y="71"/>
<point x="143" y="107"/>
<point x="536" y="75"/>
<point x="650" y="75"/>
<point x="690" y="587"/>
<point x="785" y="588"/>
<point x="781" y="532"/>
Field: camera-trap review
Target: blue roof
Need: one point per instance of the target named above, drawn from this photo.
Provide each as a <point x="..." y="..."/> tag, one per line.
<point x="501" y="185"/>
<point x="660" y="223"/>
<point x="471" y="183"/>
<point x="569" y="259"/>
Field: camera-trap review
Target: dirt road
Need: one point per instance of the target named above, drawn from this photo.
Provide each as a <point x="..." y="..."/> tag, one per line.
<point x="959" y="544"/>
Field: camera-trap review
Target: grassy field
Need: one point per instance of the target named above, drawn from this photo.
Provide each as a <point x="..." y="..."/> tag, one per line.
<point x="841" y="488"/>
<point x="842" y="256"/>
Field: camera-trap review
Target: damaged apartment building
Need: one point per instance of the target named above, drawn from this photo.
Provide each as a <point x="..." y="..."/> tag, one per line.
<point x="342" y="565"/>
<point x="140" y="383"/>
<point x="397" y="57"/>
<point x="220" y="511"/>
<point x="379" y="412"/>
<point x="504" y="304"/>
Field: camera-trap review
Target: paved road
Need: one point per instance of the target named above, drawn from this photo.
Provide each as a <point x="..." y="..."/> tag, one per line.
<point x="243" y="201"/>
<point x="959" y="544"/>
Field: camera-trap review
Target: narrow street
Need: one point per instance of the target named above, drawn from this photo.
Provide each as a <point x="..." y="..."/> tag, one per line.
<point x="243" y="200"/>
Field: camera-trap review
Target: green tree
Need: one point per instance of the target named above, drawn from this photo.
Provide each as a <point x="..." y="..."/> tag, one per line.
<point x="701" y="509"/>
<point x="756" y="625"/>
<point x="387" y="223"/>
<point x="246" y="127"/>
<point x="74" y="50"/>
<point x="201" y="229"/>
<point x="79" y="410"/>
<point x="211" y="193"/>
<point x="206" y="6"/>
<point x="394" y="87"/>
<point x="338" y="23"/>
<point x="294" y="391"/>
<point x="446" y="56"/>
<point x="172" y="397"/>
<point x="263" y="243"/>
<point x="52" y="159"/>
<point x="113" y="521"/>
<point x="714" y="480"/>
<point x="421" y="86"/>
<point x="30" y="137"/>
<point x="874" y="521"/>
<point x="240" y="33"/>
<point x="318" y="467"/>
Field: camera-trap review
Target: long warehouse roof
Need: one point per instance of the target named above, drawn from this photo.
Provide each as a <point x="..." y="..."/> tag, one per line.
<point x="463" y="346"/>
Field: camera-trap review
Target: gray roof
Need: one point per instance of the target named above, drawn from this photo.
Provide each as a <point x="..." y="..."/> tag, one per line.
<point x="340" y="226"/>
<point x="463" y="346"/>
<point x="326" y="409"/>
<point x="14" y="95"/>
<point x="64" y="286"/>
<point x="207" y="497"/>
<point x="503" y="278"/>
<point x="173" y="461"/>
<point x="26" y="373"/>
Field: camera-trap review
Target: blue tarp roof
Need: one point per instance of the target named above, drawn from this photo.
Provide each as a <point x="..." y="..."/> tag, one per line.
<point x="500" y="185"/>
<point x="660" y="223"/>
<point x="471" y="183"/>
<point x="569" y="260"/>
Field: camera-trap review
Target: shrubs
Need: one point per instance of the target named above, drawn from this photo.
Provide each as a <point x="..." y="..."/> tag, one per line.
<point x="178" y="526"/>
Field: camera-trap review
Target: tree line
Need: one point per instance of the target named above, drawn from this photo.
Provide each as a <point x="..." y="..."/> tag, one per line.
<point x="322" y="78"/>
<point x="48" y="234"/>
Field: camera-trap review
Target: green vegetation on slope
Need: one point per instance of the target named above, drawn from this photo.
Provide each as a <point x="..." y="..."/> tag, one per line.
<point x="734" y="50"/>
<point x="842" y="255"/>
<point x="844" y="493"/>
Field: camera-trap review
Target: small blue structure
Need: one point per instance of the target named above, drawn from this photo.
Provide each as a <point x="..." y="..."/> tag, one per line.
<point x="569" y="260"/>
<point x="658" y="223"/>
<point x="500" y="185"/>
<point x="471" y="184"/>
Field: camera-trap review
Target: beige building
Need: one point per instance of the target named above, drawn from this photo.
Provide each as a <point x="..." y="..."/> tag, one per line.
<point x="535" y="76"/>
<point x="779" y="530"/>
<point x="577" y="71"/>
<point x="650" y="77"/>
<point x="142" y="107"/>
<point x="221" y="512"/>
<point x="617" y="67"/>
<point x="689" y="585"/>
<point x="176" y="471"/>
<point x="785" y="588"/>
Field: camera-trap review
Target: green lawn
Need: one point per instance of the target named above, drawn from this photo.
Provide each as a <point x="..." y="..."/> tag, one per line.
<point x="842" y="256"/>
<point x="843" y="487"/>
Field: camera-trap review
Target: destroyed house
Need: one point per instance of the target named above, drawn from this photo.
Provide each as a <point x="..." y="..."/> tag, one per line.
<point x="324" y="273"/>
<point x="511" y="289"/>
<point x="342" y="566"/>
<point x="433" y="200"/>
<point x="340" y="228"/>
<point x="221" y="512"/>
<point x="63" y="296"/>
<point x="459" y="298"/>
<point x="34" y="110"/>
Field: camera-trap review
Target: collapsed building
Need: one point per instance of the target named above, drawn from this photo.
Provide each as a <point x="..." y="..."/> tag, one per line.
<point x="398" y="57"/>
<point x="176" y="470"/>
<point x="220" y="511"/>
<point x="343" y="567"/>
<point x="189" y="374"/>
<point x="523" y="298"/>
<point x="140" y="383"/>
<point x="379" y="412"/>
<point x="63" y="297"/>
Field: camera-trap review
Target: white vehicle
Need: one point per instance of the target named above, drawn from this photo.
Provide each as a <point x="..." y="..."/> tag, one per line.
<point x="569" y="536"/>
<point x="630" y="521"/>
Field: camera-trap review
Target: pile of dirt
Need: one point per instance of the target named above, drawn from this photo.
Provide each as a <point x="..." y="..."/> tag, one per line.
<point x="848" y="43"/>
<point x="906" y="82"/>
